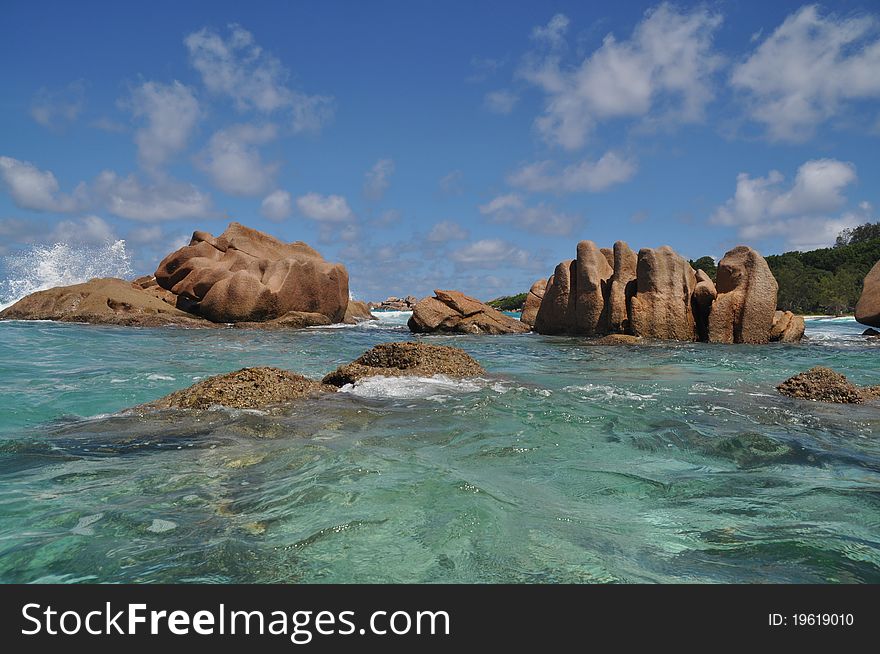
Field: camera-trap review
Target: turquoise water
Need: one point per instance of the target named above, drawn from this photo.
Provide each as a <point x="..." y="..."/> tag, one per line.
<point x="568" y="463"/>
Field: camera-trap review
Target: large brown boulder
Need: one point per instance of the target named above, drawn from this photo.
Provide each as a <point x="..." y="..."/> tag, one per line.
<point x="787" y="327"/>
<point x="621" y="288"/>
<point x="246" y="275"/>
<point x="106" y="301"/>
<point x="533" y="302"/>
<point x="592" y="274"/>
<point x="451" y="311"/>
<point x="868" y="307"/>
<point x="661" y="306"/>
<point x="556" y="314"/>
<point x="248" y="388"/>
<point x="746" y="303"/>
<point x="404" y="360"/>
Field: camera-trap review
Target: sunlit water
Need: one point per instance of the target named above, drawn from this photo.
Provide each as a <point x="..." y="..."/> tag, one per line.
<point x="567" y="463"/>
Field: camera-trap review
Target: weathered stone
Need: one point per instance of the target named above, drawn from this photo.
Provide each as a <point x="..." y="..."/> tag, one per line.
<point x="557" y="312"/>
<point x="621" y="287"/>
<point x="106" y="301"/>
<point x="246" y="275"/>
<point x="701" y="303"/>
<point x="787" y="327"/>
<point x="661" y="306"/>
<point x="533" y="302"/>
<point x="868" y="307"/>
<point x="592" y="274"/>
<point x="743" y="311"/>
<point x="451" y="311"/>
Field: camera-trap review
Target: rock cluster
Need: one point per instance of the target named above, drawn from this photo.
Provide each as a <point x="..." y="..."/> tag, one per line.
<point x="451" y="311"/>
<point x="407" y="359"/>
<point x="106" y="301"/>
<point x="824" y="385"/>
<point x="244" y="275"/>
<point x="395" y="304"/>
<point x="248" y="388"/>
<point x="656" y="294"/>
<point x="868" y="307"/>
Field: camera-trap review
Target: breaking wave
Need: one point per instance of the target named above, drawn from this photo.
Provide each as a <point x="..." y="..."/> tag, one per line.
<point x="44" y="266"/>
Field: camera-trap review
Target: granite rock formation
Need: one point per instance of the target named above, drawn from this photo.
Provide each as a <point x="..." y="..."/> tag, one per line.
<point x="451" y="311"/>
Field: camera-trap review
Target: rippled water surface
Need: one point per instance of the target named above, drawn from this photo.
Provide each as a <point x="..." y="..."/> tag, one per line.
<point x="568" y="463"/>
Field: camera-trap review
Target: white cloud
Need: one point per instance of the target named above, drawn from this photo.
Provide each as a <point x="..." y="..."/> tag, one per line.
<point x="762" y="207"/>
<point x="34" y="189"/>
<point x="170" y="113"/>
<point x="324" y="208"/>
<point x="127" y="197"/>
<point x="489" y="253"/>
<point x="234" y="163"/>
<point x="388" y="217"/>
<point x="378" y="178"/>
<point x="446" y="231"/>
<point x="512" y="209"/>
<point x="58" y="109"/>
<point x="542" y="176"/>
<point x="91" y="230"/>
<point x="553" y="32"/>
<point x="239" y="68"/>
<point x="667" y="64"/>
<point x="501" y="101"/>
<point x="277" y="205"/>
<point x="807" y="70"/>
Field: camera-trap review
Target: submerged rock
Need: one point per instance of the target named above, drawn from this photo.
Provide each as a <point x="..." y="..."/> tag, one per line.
<point x="106" y="301"/>
<point x="870" y="332"/>
<point x="244" y="275"/>
<point x="290" y="320"/>
<point x="868" y="307"/>
<point x="407" y="359"/>
<point x="248" y="388"/>
<point x="825" y="385"/>
<point x="451" y="311"/>
<point x="615" y="339"/>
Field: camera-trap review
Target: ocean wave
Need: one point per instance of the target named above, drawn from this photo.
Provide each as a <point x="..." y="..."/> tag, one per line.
<point x="438" y="387"/>
<point x="45" y="266"/>
<point x="605" y="392"/>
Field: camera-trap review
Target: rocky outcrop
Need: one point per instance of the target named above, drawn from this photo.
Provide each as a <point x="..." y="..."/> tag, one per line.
<point x="868" y="307"/>
<point x="871" y="333"/>
<point x="245" y="275"/>
<point x="657" y="294"/>
<point x="249" y="388"/>
<point x="533" y="302"/>
<point x="451" y="311"/>
<point x="621" y="288"/>
<point x="746" y="303"/>
<point x="661" y="306"/>
<point x="787" y="327"/>
<point x="824" y="385"/>
<point x="406" y="359"/>
<point x="106" y="301"/>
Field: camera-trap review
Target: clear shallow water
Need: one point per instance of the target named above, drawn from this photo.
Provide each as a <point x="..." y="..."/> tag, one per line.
<point x="568" y="463"/>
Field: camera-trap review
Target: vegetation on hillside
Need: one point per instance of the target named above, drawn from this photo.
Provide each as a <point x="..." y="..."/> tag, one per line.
<point x="509" y="302"/>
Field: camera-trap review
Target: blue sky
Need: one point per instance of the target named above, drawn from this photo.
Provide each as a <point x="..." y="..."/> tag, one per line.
<point x="425" y="145"/>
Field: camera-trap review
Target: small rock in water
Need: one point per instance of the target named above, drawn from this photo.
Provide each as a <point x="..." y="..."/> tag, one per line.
<point x="870" y="331"/>
<point x="824" y="385"/>
<point x="160" y="526"/>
